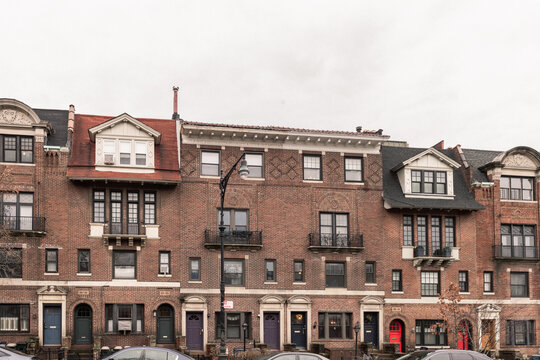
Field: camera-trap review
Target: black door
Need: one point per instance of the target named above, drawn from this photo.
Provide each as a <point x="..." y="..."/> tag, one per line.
<point x="165" y="324"/>
<point x="83" y="324"/>
<point x="371" y="328"/>
<point x="299" y="329"/>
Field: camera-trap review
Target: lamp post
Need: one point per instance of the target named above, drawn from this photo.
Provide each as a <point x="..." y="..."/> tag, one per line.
<point x="356" y="330"/>
<point x="243" y="172"/>
<point x="245" y="327"/>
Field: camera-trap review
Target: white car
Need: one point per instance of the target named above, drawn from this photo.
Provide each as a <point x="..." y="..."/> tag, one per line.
<point x="11" y="354"/>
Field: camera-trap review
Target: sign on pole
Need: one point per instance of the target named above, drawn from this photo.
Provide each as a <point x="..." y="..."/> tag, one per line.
<point x="228" y="304"/>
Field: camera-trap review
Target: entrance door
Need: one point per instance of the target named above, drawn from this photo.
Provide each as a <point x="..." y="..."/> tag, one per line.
<point x="396" y="333"/>
<point x="488" y="334"/>
<point x="194" y="330"/>
<point x="464" y="335"/>
<point x="52" y="325"/>
<point x="165" y="324"/>
<point x="83" y="324"/>
<point x="299" y="329"/>
<point x="371" y="328"/>
<point x="271" y="330"/>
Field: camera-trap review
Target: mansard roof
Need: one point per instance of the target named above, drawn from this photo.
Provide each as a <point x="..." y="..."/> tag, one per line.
<point x="58" y="120"/>
<point x="82" y="163"/>
<point x="393" y="194"/>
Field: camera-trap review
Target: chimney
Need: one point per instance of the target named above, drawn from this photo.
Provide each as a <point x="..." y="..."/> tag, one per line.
<point x="175" y="115"/>
<point x="359" y="129"/>
<point x="439" y="145"/>
<point x="71" y="123"/>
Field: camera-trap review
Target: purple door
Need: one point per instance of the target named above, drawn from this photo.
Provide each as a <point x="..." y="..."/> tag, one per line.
<point x="194" y="330"/>
<point x="271" y="330"/>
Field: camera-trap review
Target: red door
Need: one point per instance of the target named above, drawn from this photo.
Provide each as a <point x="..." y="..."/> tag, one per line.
<point x="395" y="334"/>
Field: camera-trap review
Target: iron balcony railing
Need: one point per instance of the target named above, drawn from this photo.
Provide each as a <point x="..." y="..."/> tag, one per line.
<point x="421" y="251"/>
<point x="120" y="228"/>
<point x="211" y="237"/>
<point x="515" y="252"/>
<point x="23" y="223"/>
<point x="336" y="240"/>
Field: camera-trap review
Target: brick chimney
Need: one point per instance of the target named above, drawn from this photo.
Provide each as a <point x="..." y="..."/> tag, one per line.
<point x="439" y="145"/>
<point x="71" y="124"/>
<point x="175" y="115"/>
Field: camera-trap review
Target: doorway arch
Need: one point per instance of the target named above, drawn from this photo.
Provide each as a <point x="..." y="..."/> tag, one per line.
<point x="82" y="324"/>
<point x="165" y="324"/>
<point x="397" y="333"/>
<point x="465" y="335"/>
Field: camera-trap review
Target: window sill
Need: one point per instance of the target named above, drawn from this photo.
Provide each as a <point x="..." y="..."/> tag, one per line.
<point x="398" y="292"/>
<point x="464" y="293"/>
<point x="489" y="293"/>
<point x="312" y="181"/>
<point x="84" y="274"/>
<point x="370" y="284"/>
<point x="194" y="282"/>
<point x="209" y="177"/>
<point x="299" y="283"/>
<point x="164" y="275"/>
<point x="354" y="183"/>
<point x="51" y="274"/>
<point x="236" y="286"/>
<point x="520" y="201"/>
<point x="255" y="179"/>
<point x="270" y="282"/>
<point x="16" y="163"/>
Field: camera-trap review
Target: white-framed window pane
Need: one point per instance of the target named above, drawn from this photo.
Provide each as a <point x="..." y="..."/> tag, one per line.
<point x="109" y="146"/>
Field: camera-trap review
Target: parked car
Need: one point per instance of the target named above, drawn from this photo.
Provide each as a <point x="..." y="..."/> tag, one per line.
<point x="12" y="354"/>
<point x="147" y="353"/>
<point x="292" y="356"/>
<point x="444" y="354"/>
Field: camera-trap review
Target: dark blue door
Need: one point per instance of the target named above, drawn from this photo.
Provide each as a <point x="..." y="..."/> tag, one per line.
<point x="271" y="330"/>
<point x="52" y="325"/>
<point x="165" y="325"/>
<point x="194" y="330"/>
<point x="371" y="328"/>
<point x="298" y="329"/>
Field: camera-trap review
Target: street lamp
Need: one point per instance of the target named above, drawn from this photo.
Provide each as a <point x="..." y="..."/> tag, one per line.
<point x="243" y="172"/>
<point x="356" y="330"/>
<point x="245" y="327"/>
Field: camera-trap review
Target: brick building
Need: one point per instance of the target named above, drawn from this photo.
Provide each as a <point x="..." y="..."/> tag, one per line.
<point x="330" y="229"/>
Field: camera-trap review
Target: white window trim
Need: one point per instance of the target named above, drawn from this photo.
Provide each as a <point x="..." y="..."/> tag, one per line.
<point x="100" y="153"/>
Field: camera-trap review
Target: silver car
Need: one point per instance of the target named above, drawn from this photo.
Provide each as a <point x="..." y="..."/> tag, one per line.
<point x="147" y="353"/>
<point x="444" y="354"/>
<point x="292" y="356"/>
<point x="12" y="354"/>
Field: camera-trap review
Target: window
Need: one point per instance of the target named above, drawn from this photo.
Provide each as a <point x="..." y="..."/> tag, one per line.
<point x="450" y="231"/>
<point x="233" y="325"/>
<point x="83" y="261"/>
<point x="255" y="165"/>
<point x="130" y="152"/>
<point x="519" y="284"/>
<point x="99" y="206"/>
<point x="520" y="332"/>
<point x="234" y="221"/>
<point x="435" y="235"/>
<point x="518" y="241"/>
<point x="233" y="272"/>
<point x="149" y="207"/>
<point x="428" y="182"/>
<point x="210" y="163"/>
<point x="312" y="167"/>
<point x="353" y="169"/>
<point x="334" y="229"/>
<point x="463" y="281"/>
<point x="370" y="272"/>
<point x="517" y="188"/>
<point x="421" y="230"/>
<point x="164" y="262"/>
<point x="335" y="274"/>
<point x="488" y="281"/>
<point x="10" y="263"/>
<point x="133" y="212"/>
<point x="51" y="260"/>
<point x="335" y="325"/>
<point x="18" y="211"/>
<point x="17" y="149"/>
<point x="270" y="270"/>
<point x="116" y="212"/>
<point x="124" y="265"/>
<point x="397" y="283"/>
<point x="299" y="271"/>
<point x="429" y="333"/>
<point x="14" y="318"/>
<point x="124" y="318"/>
<point x="195" y="269"/>
<point x="429" y="283"/>
<point x="408" y="235"/>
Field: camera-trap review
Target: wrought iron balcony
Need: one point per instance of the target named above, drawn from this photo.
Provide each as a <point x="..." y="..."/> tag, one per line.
<point x="435" y="257"/>
<point x="249" y="240"/>
<point x="319" y="242"/>
<point x="32" y="225"/>
<point x="516" y="253"/>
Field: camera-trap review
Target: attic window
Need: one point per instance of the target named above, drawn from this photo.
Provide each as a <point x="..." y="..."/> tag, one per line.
<point x="125" y="153"/>
<point x="428" y="182"/>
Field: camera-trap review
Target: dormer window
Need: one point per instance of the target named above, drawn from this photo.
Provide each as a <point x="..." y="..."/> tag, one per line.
<point x="124" y="152"/>
<point x="428" y="182"/>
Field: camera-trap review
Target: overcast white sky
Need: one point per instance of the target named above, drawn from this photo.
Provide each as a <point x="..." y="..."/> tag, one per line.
<point x="466" y="71"/>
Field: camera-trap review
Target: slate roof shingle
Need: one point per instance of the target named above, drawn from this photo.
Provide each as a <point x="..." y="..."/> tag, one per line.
<point x="58" y="120"/>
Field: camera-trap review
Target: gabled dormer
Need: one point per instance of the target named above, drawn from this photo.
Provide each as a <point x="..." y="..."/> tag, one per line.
<point x="124" y="144"/>
<point x="429" y="174"/>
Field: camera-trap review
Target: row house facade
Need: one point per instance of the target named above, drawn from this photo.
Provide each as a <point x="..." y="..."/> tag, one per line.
<point x="111" y="236"/>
